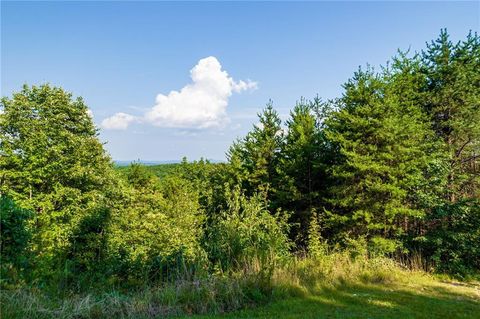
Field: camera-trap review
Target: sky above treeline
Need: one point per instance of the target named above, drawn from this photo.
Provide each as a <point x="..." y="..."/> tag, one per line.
<point x="166" y="80"/>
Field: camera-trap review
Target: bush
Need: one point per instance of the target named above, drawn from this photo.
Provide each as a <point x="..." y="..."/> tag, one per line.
<point x="379" y="246"/>
<point x="247" y="232"/>
<point x="454" y="244"/>
<point x="157" y="233"/>
<point x="14" y="240"/>
<point x="317" y="247"/>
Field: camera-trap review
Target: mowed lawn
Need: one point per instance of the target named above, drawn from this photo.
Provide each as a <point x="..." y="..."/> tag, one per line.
<point x="443" y="300"/>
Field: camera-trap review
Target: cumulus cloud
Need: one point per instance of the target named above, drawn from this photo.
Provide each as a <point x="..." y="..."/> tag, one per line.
<point x="200" y="104"/>
<point x="119" y="121"/>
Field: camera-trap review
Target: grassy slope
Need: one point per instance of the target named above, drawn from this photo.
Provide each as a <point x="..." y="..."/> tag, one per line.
<point x="425" y="299"/>
<point x="331" y="287"/>
<point x="417" y="297"/>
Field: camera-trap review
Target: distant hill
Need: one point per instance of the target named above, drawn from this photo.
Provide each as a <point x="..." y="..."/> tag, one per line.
<point x="158" y="168"/>
<point x="151" y="163"/>
<point x="146" y="163"/>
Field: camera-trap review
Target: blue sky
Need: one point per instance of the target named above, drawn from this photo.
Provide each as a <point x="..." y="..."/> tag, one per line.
<point x="126" y="57"/>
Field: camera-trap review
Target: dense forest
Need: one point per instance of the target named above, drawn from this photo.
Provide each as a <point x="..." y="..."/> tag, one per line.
<point x="391" y="170"/>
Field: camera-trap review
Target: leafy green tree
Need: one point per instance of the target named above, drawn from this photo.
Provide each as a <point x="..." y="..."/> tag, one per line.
<point x="52" y="163"/>
<point x="14" y="240"/>
<point x="155" y="229"/>
<point x="141" y="178"/>
<point x="209" y="180"/>
<point x="48" y="139"/>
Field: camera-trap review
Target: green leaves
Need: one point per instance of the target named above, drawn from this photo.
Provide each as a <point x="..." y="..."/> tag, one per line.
<point x="53" y="164"/>
<point x="454" y="243"/>
<point x="154" y="226"/>
<point x="246" y="231"/>
<point x="47" y="139"/>
<point x="15" y="239"/>
<point x="392" y="164"/>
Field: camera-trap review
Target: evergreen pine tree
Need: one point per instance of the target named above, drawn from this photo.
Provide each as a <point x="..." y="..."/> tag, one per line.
<point x="381" y="157"/>
<point x="300" y="164"/>
<point x="257" y="156"/>
<point x="452" y="100"/>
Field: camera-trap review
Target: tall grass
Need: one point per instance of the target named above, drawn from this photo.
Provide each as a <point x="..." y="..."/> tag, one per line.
<point x="257" y="282"/>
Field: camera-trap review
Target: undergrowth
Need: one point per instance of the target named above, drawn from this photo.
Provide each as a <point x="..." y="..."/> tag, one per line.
<point x="253" y="285"/>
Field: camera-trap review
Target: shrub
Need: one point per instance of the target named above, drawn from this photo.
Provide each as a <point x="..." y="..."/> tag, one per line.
<point x="379" y="246"/>
<point x="247" y="231"/>
<point x="14" y="240"/>
<point x="316" y="246"/>
<point x="158" y="231"/>
<point x="454" y="242"/>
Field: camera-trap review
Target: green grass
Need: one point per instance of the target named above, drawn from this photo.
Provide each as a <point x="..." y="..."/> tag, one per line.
<point x="332" y="286"/>
<point x="428" y="299"/>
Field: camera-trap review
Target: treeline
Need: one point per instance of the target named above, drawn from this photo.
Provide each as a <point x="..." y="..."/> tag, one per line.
<point x="392" y="167"/>
<point x="393" y="164"/>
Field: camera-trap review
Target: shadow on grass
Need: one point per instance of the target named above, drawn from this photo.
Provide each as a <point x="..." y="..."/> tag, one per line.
<point x="369" y="301"/>
<point x="432" y="300"/>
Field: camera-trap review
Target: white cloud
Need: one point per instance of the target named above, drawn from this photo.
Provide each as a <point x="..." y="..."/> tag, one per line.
<point x="283" y="131"/>
<point x="259" y="125"/>
<point x="200" y="104"/>
<point x="243" y="86"/>
<point x="119" y="121"/>
<point x="90" y="113"/>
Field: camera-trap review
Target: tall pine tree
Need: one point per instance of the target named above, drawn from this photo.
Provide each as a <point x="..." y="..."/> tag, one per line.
<point x="452" y="99"/>
<point x="382" y="153"/>
<point x="257" y="156"/>
<point x="300" y="165"/>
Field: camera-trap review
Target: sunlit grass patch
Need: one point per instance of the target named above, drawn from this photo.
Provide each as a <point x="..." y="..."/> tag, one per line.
<point x="331" y="286"/>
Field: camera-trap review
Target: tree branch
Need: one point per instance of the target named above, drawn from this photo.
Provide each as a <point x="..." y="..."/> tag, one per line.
<point x="457" y="154"/>
<point x="470" y="158"/>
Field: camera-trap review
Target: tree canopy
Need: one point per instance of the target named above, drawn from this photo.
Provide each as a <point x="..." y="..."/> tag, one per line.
<point x="391" y="167"/>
